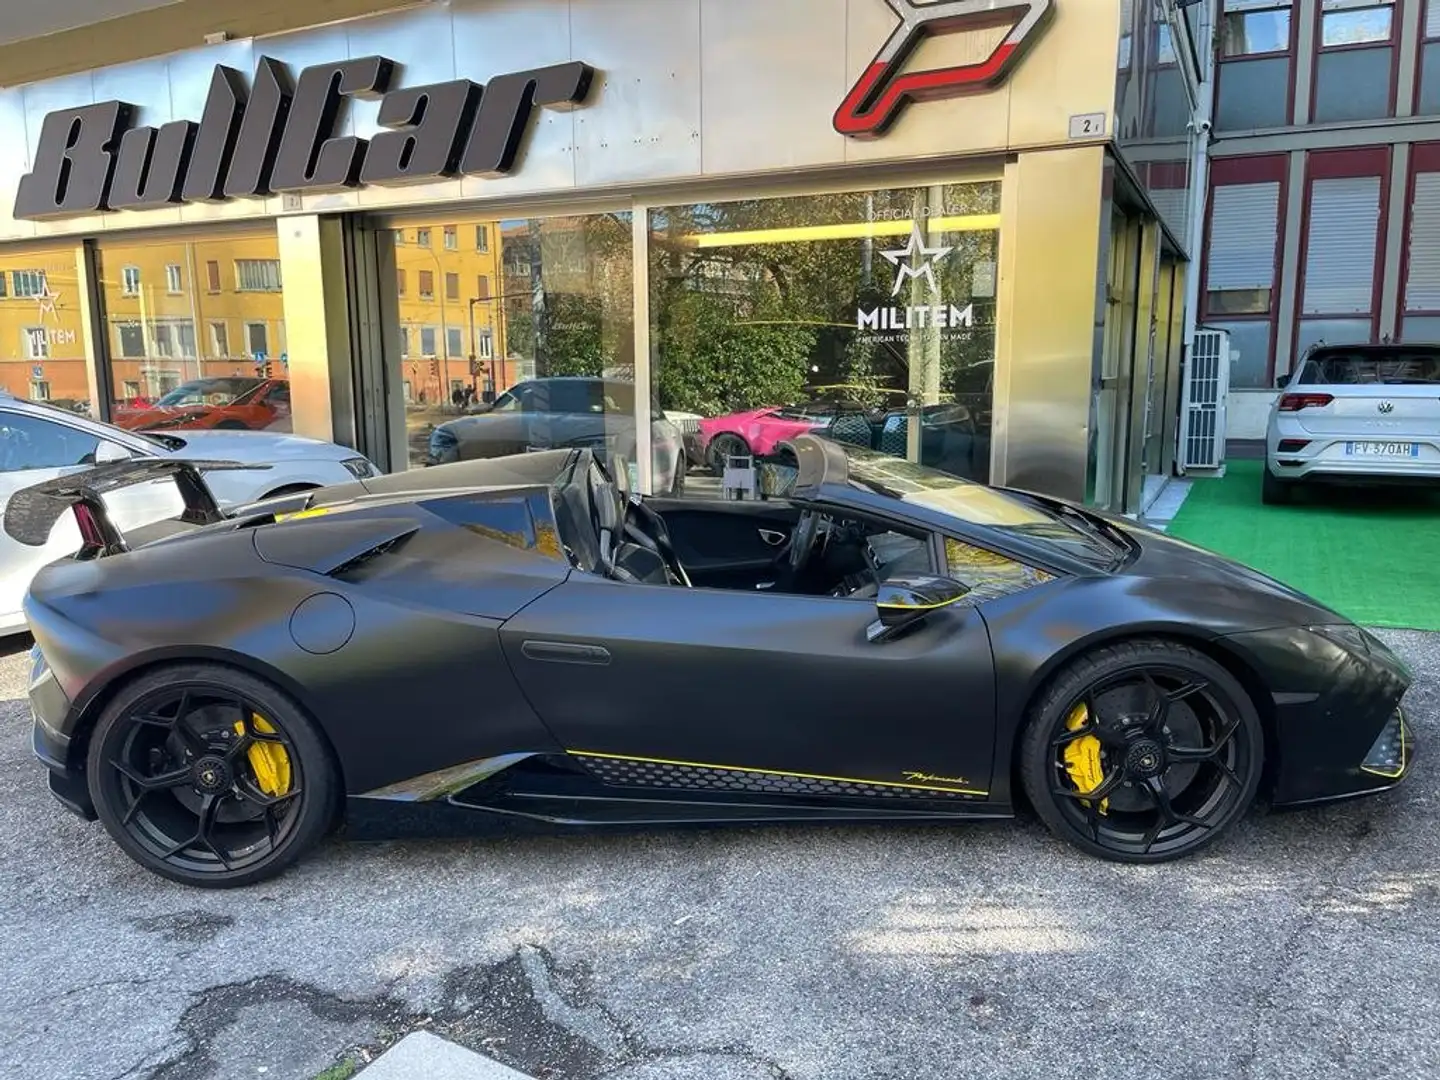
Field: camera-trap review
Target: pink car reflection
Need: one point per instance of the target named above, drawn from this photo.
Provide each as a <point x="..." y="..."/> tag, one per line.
<point x="757" y="432"/>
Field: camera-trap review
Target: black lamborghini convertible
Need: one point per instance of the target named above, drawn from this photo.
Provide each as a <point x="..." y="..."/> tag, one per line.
<point x="520" y="639"/>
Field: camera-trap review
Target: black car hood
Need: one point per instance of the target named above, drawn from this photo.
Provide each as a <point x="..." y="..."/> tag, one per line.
<point x="1164" y="557"/>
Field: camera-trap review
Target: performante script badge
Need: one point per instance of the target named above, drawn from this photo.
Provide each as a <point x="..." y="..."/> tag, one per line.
<point x="881" y="92"/>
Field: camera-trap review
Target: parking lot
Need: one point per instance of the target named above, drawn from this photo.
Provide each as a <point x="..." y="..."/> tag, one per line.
<point x="1306" y="944"/>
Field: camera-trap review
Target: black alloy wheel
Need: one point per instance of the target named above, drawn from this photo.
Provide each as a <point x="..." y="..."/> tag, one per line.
<point x="1142" y="752"/>
<point x="210" y="777"/>
<point x="723" y="446"/>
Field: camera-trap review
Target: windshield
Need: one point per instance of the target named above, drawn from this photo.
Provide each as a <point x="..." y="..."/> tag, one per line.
<point x="1074" y="533"/>
<point x="208" y="391"/>
<point x="1391" y="367"/>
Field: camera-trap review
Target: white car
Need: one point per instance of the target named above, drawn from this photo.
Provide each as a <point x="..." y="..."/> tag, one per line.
<point x="1367" y="413"/>
<point x="38" y="443"/>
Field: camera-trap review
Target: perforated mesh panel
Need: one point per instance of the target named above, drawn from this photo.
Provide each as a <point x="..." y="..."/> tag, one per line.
<point x="628" y="773"/>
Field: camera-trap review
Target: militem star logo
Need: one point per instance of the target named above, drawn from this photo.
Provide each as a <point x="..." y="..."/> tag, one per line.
<point x="905" y="261"/>
<point x="46" y="300"/>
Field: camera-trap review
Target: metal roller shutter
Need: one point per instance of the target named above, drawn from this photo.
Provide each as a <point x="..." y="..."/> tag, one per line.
<point x="1340" y="253"/>
<point x="1432" y="20"/>
<point x="1243" y="224"/>
<point x="1172" y="204"/>
<point x="1422" y="284"/>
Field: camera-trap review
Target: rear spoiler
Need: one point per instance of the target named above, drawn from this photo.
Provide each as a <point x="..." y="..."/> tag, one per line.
<point x="32" y="512"/>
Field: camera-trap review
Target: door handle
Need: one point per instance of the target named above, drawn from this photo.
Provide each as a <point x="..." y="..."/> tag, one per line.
<point x="561" y="652"/>
<point x="773" y="537"/>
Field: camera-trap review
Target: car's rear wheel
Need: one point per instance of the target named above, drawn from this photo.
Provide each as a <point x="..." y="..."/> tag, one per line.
<point x="210" y="777"/>
<point x="1273" y="490"/>
<point x="723" y="446"/>
<point x="1142" y="751"/>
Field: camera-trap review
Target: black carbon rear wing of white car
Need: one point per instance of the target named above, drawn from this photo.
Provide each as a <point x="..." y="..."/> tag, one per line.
<point x="32" y="512"/>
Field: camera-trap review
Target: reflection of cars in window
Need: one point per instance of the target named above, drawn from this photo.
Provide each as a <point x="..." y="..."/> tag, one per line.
<point x="954" y="647"/>
<point x="39" y="443"/>
<point x="1355" y="414"/>
<point x="232" y="403"/>
<point x="563" y="411"/>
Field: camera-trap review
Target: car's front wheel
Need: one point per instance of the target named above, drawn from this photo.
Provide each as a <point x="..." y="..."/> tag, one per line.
<point x="723" y="447"/>
<point x="1142" y="751"/>
<point x="210" y="777"/>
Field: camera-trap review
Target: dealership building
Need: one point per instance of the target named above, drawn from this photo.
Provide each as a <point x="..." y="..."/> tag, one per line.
<point x="973" y="212"/>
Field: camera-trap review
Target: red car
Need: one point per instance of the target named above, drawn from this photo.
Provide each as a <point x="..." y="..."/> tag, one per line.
<point x="758" y="432"/>
<point x="234" y="402"/>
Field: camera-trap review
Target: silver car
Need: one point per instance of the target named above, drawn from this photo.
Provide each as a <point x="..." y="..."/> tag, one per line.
<point x="38" y="443"/>
<point x="1355" y="413"/>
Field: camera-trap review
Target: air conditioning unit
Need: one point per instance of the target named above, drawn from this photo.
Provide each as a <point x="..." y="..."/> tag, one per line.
<point x="1202" y="406"/>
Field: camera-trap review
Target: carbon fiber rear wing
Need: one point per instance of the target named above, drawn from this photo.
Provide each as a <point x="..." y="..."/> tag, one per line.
<point x="32" y="512"/>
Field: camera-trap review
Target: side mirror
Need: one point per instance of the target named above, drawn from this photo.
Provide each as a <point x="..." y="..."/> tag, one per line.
<point x="904" y="602"/>
<point x="109" y="451"/>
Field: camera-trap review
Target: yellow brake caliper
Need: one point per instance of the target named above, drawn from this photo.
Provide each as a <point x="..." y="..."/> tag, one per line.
<point x="268" y="760"/>
<point x="1082" y="756"/>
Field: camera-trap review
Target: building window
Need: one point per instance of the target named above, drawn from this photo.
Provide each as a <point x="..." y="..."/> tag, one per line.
<point x="1240" y="269"/>
<point x="451" y="238"/>
<point x="399" y="236"/>
<point x="1355" y="22"/>
<point x="1242" y="252"/>
<point x="130" y="280"/>
<point x="1254" y="27"/>
<point x="130" y="389"/>
<point x="1422" y="246"/>
<point x="29" y="283"/>
<point x="452" y="286"/>
<point x="482" y="238"/>
<point x="427" y="341"/>
<point x="37" y="344"/>
<point x="484" y="345"/>
<point x="404" y="341"/>
<point x="257" y="275"/>
<point x="257" y="338"/>
<point x="454" y="341"/>
<point x="174" y="278"/>
<point x="219" y="340"/>
<point x="131" y="340"/>
<point x="427" y="284"/>
<point x="212" y="276"/>
<point x="3" y="285"/>
<point x="39" y="390"/>
<point x="400" y="282"/>
<point x="482" y="287"/>
<point x="422" y="237"/>
<point x="1344" y="241"/>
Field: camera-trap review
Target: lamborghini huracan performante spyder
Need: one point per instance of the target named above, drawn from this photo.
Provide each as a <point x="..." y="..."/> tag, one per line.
<point x="519" y="638"/>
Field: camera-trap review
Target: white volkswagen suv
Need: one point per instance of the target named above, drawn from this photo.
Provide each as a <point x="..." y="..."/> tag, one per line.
<point x="38" y="442"/>
<point x="1356" y="413"/>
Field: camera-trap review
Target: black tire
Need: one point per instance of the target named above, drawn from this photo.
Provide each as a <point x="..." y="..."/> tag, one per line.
<point x="1274" y="491"/>
<point x="232" y="425"/>
<point x="726" y="444"/>
<point x="208" y="768"/>
<point x="1141" y="743"/>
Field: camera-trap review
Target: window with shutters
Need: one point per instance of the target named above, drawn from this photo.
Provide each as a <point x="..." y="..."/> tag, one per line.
<point x="427" y="284"/>
<point x="1240" y="259"/>
<point x="1422" y="233"/>
<point x="482" y="287"/>
<point x="1339" y="258"/>
<point x="452" y="286"/>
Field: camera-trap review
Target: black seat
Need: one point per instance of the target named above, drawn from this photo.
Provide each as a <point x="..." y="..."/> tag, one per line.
<point x="642" y="563"/>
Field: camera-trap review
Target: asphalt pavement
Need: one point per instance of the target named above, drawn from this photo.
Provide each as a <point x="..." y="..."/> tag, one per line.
<point x="1304" y="945"/>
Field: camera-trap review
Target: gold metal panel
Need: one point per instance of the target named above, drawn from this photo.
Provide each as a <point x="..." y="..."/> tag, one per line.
<point x="1050" y="250"/>
<point x="1146" y="362"/>
<point x="312" y="265"/>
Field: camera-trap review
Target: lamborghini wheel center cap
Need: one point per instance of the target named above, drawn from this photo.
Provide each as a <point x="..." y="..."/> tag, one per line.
<point x="211" y="774"/>
<point x="1144" y="759"/>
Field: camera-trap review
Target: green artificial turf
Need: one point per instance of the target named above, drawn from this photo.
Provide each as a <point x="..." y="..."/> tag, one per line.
<point x="1373" y="554"/>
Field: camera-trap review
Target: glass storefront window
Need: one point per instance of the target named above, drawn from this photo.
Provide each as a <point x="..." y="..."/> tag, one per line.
<point x="195" y="332"/>
<point x="866" y="317"/>
<point x="518" y="335"/>
<point x="42" y="340"/>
